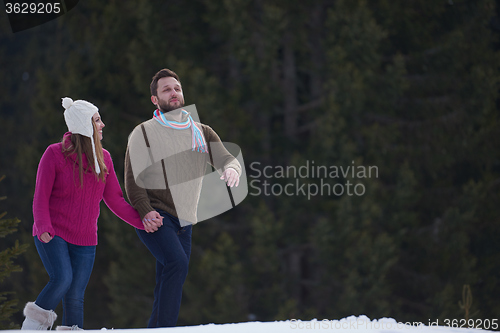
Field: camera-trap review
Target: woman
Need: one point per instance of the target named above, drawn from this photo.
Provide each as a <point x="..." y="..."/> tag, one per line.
<point x="73" y="177"/>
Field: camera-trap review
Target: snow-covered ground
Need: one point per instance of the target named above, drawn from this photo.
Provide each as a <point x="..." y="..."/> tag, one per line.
<point x="361" y="324"/>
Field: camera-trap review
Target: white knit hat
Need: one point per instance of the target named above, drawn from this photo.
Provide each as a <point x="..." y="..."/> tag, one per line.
<point x="78" y="117"/>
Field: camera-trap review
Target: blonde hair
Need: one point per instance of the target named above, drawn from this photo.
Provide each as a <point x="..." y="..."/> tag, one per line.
<point x="79" y="144"/>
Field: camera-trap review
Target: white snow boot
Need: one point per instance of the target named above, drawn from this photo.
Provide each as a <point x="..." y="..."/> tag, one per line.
<point x="69" y="328"/>
<point x="37" y="319"/>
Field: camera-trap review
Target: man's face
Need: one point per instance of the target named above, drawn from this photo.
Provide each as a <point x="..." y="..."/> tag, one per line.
<point x="169" y="93"/>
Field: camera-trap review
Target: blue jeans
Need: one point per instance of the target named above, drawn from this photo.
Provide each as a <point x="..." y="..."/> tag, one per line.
<point x="69" y="267"/>
<point x="171" y="246"/>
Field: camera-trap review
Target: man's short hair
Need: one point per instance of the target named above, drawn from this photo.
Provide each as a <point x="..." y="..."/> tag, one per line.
<point x="161" y="74"/>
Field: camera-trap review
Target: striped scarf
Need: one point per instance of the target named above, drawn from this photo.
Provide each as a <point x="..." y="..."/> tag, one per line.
<point x="198" y="141"/>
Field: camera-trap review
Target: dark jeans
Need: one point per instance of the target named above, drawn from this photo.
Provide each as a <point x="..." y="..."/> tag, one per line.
<point x="69" y="267"/>
<point x="171" y="246"/>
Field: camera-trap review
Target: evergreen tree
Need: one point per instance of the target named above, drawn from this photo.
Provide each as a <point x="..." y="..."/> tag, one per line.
<point x="8" y="303"/>
<point x="408" y="102"/>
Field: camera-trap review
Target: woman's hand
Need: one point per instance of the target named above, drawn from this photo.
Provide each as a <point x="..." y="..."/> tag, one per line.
<point x="45" y="237"/>
<point x="152" y="221"/>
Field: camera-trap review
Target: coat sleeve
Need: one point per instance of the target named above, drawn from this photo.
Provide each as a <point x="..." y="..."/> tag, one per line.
<point x="113" y="197"/>
<point x="45" y="177"/>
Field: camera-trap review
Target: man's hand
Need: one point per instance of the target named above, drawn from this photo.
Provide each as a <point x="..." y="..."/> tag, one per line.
<point x="231" y="177"/>
<point x="152" y="221"/>
<point x="45" y="237"/>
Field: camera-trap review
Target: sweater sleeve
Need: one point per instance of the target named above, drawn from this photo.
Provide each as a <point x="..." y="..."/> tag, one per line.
<point x="137" y="195"/>
<point x="45" y="177"/>
<point x="221" y="158"/>
<point x="113" y="197"/>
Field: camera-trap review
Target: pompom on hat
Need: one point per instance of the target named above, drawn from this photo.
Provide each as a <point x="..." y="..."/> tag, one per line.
<point x="78" y="116"/>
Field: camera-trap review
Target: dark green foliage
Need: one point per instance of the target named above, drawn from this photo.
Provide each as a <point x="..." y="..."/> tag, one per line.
<point x="8" y="302"/>
<point x="410" y="87"/>
<point x="127" y="290"/>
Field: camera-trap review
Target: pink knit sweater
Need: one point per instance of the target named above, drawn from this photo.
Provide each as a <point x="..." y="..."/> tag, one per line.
<point x="63" y="208"/>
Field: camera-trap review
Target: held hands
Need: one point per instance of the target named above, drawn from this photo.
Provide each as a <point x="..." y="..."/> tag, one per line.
<point x="152" y="221"/>
<point x="45" y="237"/>
<point x="231" y="177"/>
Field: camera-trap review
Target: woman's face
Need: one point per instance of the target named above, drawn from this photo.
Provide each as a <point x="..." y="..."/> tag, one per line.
<point x="98" y="123"/>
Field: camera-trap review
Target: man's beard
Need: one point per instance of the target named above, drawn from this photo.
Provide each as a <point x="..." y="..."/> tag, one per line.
<point x="167" y="107"/>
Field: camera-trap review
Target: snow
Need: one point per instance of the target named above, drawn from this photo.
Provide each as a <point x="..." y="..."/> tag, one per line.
<point x="352" y="324"/>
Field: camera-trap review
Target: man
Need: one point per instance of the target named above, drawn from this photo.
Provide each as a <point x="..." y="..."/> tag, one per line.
<point x="165" y="163"/>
